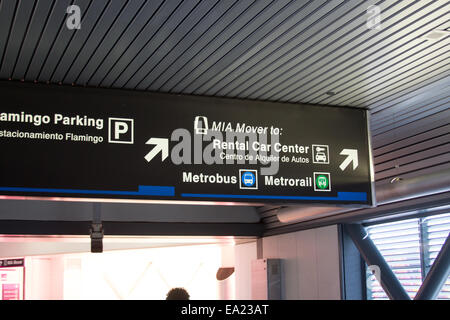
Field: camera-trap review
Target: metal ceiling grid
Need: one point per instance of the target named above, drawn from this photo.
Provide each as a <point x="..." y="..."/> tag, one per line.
<point x="282" y="50"/>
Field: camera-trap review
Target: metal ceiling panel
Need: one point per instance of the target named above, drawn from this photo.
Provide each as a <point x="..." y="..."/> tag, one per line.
<point x="294" y="43"/>
<point x="34" y="33"/>
<point x="92" y="68"/>
<point x="17" y="33"/>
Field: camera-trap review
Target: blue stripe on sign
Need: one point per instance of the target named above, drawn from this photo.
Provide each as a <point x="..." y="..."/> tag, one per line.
<point x="142" y="191"/>
<point x="342" y="196"/>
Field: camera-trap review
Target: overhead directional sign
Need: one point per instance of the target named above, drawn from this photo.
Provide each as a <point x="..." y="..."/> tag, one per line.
<point x="84" y="143"/>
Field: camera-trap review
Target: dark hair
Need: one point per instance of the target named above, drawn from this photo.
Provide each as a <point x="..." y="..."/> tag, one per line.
<point x="177" y="294"/>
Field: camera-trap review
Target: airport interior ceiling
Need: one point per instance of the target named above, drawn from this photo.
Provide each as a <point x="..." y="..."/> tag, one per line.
<point x="391" y="57"/>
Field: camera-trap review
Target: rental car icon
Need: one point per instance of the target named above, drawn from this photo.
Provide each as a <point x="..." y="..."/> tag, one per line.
<point x="321" y="157"/>
<point x="320" y="154"/>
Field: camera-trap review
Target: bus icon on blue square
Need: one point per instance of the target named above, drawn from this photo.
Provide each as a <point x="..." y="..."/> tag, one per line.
<point x="248" y="179"/>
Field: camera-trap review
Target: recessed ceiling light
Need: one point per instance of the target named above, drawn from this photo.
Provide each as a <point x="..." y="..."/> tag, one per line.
<point x="435" y="35"/>
<point x="330" y="93"/>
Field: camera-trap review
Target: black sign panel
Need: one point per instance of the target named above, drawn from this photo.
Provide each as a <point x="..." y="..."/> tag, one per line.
<point x="10" y="263"/>
<point x="114" y="144"/>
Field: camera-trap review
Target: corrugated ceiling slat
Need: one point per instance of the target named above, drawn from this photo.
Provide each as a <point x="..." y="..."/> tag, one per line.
<point x="155" y="21"/>
<point x="123" y="23"/>
<point x="399" y="25"/>
<point x="80" y="37"/>
<point x="374" y="81"/>
<point x="183" y="30"/>
<point x="63" y="39"/>
<point x="383" y="120"/>
<point x="106" y="20"/>
<point x="117" y="39"/>
<point x="412" y="158"/>
<point x="417" y="147"/>
<point x="420" y="91"/>
<point x="54" y="25"/>
<point x="403" y="132"/>
<point x="181" y="20"/>
<point x="412" y="140"/>
<point x="247" y="31"/>
<point x="19" y="28"/>
<point x="156" y="69"/>
<point x="7" y="10"/>
<point x="33" y="35"/>
<point x="280" y="49"/>
<point x="426" y="112"/>
<point x="302" y="17"/>
<point x="289" y="85"/>
<point x="419" y="164"/>
<point x="309" y="50"/>
<point x="227" y="24"/>
<point x="428" y="70"/>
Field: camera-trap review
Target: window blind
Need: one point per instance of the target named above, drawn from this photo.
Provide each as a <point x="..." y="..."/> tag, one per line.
<point x="410" y="248"/>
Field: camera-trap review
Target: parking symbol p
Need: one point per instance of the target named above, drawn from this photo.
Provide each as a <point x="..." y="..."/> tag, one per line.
<point x="121" y="130"/>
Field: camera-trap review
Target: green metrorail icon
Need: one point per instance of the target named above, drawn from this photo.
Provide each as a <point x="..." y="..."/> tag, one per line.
<point x="322" y="182"/>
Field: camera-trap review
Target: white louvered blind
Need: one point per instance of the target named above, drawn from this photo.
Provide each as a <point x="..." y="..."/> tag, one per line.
<point x="437" y="229"/>
<point x="409" y="247"/>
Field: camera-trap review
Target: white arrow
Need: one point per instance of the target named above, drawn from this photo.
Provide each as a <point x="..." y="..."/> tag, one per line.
<point x="352" y="156"/>
<point x="162" y="145"/>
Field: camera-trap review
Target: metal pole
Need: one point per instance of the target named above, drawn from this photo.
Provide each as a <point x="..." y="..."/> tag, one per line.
<point x="437" y="275"/>
<point x="373" y="257"/>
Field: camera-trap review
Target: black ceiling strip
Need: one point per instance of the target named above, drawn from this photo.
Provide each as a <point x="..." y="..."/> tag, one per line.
<point x="403" y="152"/>
<point x="384" y="119"/>
<point x="125" y="42"/>
<point x="9" y="11"/>
<point x="438" y="71"/>
<point x="348" y="57"/>
<point x="215" y="16"/>
<point x="154" y="34"/>
<point x="272" y="51"/>
<point x="248" y="44"/>
<point x="422" y="91"/>
<point x="102" y="25"/>
<point x="179" y="25"/>
<point x="387" y="145"/>
<point x="98" y="43"/>
<point x="207" y="40"/>
<point x="379" y="93"/>
<point x="72" y="36"/>
<point x="399" y="122"/>
<point x="57" y="12"/>
<point x="250" y="78"/>
<point x="375" y="37"/>
<point x="160" y="36"/>
<point x="22" y="35"/>
<point x="334" y="99"/>
<point x="38" y="23"/>
<point x="236" y="25"/>
<point x="102" y="52"/>
<point x="364" y="72"/>
<point x="167" y="8"/>
<point x="33" y="227"/>
<point x="154" y="64"/>
<point x="260" y="26"/>
<point x="293" y="63"/>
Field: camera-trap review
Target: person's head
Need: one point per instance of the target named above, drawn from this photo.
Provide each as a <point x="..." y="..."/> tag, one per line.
<point x="177" y="294"/>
